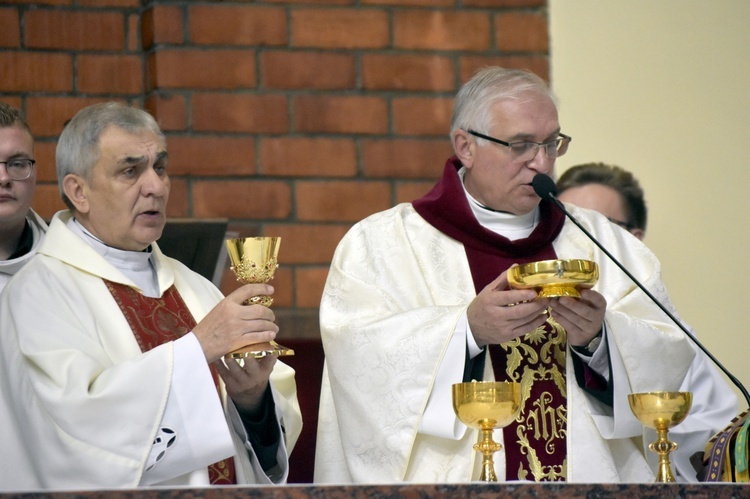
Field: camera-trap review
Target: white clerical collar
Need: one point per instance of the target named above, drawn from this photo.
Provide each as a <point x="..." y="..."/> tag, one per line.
<point x="136" y="265"/>
<point x="506" y="224"/>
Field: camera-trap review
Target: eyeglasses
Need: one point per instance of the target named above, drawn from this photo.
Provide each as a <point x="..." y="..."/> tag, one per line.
<point x="19" y="169"/>
<point x="526" y="151"/>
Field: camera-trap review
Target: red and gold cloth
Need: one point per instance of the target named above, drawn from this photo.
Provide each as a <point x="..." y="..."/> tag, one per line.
<point x="155" y="321"/>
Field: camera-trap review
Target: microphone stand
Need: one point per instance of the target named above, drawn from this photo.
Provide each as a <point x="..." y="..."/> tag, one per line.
<point x="690" y="335"/>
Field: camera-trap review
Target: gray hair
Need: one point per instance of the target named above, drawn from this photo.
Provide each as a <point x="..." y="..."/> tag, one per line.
<point x="78" y="146"/>
<point x="10" y="116"/>
<point x="474" y="100"/>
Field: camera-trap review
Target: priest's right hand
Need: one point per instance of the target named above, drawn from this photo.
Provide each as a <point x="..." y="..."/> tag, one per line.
<point x="231" y="325"/>
<point x="499" y="314"/>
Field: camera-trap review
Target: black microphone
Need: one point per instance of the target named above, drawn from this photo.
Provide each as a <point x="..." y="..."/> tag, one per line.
<point x="545" y="188"/>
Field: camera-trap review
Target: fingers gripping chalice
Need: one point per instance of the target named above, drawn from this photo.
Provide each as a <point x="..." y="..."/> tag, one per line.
<point x="486" y="405"/>
<point x="254" y="260"/>
<point x="661" y="411"/>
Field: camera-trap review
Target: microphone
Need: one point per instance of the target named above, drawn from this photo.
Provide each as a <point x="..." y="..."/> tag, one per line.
<point x="545" y="188"/>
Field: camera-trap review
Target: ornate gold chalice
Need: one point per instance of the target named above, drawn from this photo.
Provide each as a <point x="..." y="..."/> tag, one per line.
<point x="254" y="260"/>
<point x="661" y="411"/>
<point x="554" y="278"/>
<point x="486" y="405"/>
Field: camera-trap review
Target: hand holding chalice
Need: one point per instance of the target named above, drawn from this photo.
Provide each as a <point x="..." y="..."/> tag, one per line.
<point x="254" y="260"/>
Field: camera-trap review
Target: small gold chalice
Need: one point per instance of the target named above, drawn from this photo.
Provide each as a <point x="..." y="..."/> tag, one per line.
<point x="486" y="405"/>
<point x="554" y="278"/>
<point x="661" y="411"/>
<point x="254" y="260"/>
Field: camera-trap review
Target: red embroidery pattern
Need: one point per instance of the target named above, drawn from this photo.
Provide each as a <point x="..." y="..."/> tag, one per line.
<point x="155" y="321"/>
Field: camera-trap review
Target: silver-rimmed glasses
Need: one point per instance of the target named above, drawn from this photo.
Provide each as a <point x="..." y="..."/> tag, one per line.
<point x="19" y="168"/>
<point x="525" y="150"/>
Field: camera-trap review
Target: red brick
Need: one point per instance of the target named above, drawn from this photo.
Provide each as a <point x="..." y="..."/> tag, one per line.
<point x="245" y="199"/>
<point x="209" y="156"/>
<point x="109" y="3"/>
<point x="340" y="114"/>
<point x="170" y="111"/>
<point x="35" y="72"/>
<point x="407" y="72"/>
<point x="317" y="2"/>
<point x="309" y="283"/>
<point x="422" y="115"/>
<point x="522" y="32"/>
<point x="47" y="200"/>
<point x="441" y="30"/>
<point x="339" y="200"/>
<point x="109" y="74"/>
<point x="133" y="40"/>
<point x="292" y="70"/>
<point x="240" y="113"/>
<point x="74" y="30"/>
<point x="340" y="28"/>
<point x="162" y="24"/>
<point x="237" y="25"/>
<point x="504" y="3"/>
<point x="44" y="154"/>
<point x="178" y="198"/>
<point x="407" y="192"/>
<point x="312" y="157"/>
<point x="202" y="69"/>
<point x="14" y="101"/>
<point x="47" y="115"/>
<point x="536" y="64"/>
<point x="405" y="158"/>
<point x="305" y="244"/>
<point x="411" y="3"/>
<point x="10" y="34"/>
<point x="42" y="2"/>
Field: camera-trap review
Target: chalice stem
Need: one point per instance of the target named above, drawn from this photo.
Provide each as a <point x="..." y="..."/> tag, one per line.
<point x="663" y="446"/>
<point x="487" y="447"/>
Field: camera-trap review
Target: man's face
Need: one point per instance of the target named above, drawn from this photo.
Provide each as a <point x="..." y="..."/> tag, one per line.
<point x="125" y="203"/>
<point x="494" y="177"/>
<point x="15" y="195"/>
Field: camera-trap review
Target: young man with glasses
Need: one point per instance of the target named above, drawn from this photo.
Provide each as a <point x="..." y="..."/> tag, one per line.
<point x="417" y="299"/>
<point x="21" y="229"/>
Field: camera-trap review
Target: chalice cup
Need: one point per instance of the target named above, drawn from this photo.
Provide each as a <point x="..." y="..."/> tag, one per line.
<point x="255" y="260"/>
<point x="661" y="411"/>
<point x="486" y="405"/>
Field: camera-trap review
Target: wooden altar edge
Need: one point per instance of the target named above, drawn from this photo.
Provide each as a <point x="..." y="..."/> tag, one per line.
<point x="413" y="491"/>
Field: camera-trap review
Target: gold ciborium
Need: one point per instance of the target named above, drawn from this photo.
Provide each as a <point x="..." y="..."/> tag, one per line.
<point x="486" y="405"/>
<point x="254" y="260"/>
<point x="554" y="278"/>
<point x="661" y="411"/>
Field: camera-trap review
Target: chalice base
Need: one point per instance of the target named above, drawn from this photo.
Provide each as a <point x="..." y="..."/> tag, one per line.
<point x="558" y="290"/>
<point x="260" y="350"/>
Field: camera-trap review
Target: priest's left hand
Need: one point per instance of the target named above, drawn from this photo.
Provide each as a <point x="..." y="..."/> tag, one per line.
<point x="582" y="318"/>
<point x="246" y="384"/>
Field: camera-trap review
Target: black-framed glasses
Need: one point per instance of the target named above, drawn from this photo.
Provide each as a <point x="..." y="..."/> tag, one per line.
<point x="19" y="169"/>
<point x="525" y="150"/>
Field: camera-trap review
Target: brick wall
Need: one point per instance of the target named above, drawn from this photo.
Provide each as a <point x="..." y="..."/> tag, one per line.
<point x="290" y="118"/>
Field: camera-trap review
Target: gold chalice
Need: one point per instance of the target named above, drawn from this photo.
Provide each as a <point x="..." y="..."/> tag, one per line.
<point x="554" y="278"/>
<point x="486" y="405"/>
<point x="254" y="260"/>
<point x="661" y="411"/>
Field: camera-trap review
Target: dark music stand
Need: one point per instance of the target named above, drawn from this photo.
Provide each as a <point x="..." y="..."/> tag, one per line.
<point x="199" y="244"/>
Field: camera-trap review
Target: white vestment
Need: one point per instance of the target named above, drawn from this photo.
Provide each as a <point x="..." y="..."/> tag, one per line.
<point x="395" y="293"/>
<point x="85" y="405"/>
<point x="8" y="268"/>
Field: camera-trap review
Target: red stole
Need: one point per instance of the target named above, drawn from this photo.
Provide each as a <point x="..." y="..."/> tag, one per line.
<point x="155" y="321"/>
<point x="535" y="444"/>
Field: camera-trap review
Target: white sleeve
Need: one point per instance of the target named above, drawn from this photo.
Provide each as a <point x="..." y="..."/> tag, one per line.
<point x="439" y="419"/>
<point x="193" y="433"/>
